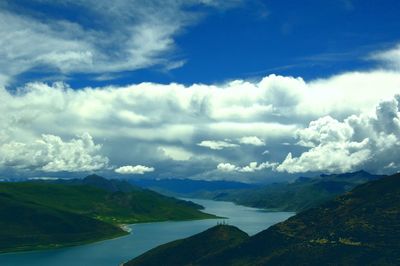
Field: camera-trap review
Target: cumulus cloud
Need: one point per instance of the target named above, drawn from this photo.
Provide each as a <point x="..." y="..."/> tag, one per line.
<point x="252" y="140"/>
<point x="134" y="170"/>
<point x="358" y="142"/>
<point x="174" y="126"/>
<point x="227" y="167"/>
<point x="51" y="154"/>
<point x="217" y="145"/>
<point x="250" y="168"/>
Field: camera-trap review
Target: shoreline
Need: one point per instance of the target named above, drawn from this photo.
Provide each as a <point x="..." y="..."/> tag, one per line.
<point x="126" y="230"/>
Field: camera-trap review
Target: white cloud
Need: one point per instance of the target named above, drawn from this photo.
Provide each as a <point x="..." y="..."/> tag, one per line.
<point x="217" y="145"/>
<point x="167" y="123"/>
<point x="134" y="170"/>
<point x="324" y="130"/>
<point x="390" y="58"/>
<point x="331" y="157"/>
<point x="250" y="168"/>
<point x="252" y="140"/>
<point x="227" y="167"/>
<point x="359" y="142"/>
<point x="51" y="154"/>
<point x="176" y="153"/>
<point x="147" y="116"/>
<point x="254" y="166"/>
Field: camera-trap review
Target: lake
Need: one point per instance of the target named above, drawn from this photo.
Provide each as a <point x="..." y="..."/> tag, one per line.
<point x="146" y="236"/>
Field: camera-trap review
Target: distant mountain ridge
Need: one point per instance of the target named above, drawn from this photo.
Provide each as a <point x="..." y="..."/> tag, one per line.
<point x="301" y="194"/>
<point x="360" y="227"/>
<point x="110" y="185"/>
<point x="186" y="187"/>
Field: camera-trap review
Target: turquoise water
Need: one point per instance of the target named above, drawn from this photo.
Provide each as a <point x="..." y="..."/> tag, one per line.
<point x="146" y="236"/>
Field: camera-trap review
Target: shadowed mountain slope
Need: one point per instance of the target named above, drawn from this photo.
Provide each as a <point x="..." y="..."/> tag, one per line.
<point x="299" y="195"/>
<point x="188" y="250"/>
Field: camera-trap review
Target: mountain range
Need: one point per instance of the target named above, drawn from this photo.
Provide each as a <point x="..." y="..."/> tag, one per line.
<point x="190" y="187"/>
<point x="301" y="194"/>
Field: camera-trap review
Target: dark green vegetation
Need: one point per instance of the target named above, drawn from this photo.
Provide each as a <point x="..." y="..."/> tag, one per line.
<point x="25" y="225"/>
<point x="360" y="227"/>
<point x="187" y="251"/>
<point x="42" y="215"/>
<point x="110" y="185"/>
<point x="299" y="195"/>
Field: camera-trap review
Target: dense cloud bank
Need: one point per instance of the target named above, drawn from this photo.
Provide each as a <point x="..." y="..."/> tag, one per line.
<point x="241" y="129"/>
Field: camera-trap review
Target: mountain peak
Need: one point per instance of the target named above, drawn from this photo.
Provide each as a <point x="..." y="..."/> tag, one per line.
<point x="360" y="173"/>
<point x="95" y="177"/>
<point x="111" y="185"/>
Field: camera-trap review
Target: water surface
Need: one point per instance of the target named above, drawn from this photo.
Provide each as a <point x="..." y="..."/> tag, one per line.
<point x="146" y="236"/>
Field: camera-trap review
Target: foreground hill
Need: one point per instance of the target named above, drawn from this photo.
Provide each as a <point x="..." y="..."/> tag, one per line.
<point x="296" y="196"/>
<point x="361" y="227"/>
<point x="188" y="250"/>
<point x="42" y="214"/>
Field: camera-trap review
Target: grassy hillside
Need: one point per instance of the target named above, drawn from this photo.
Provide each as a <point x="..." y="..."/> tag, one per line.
<point x="117" y="207"/>
<point x="361" y="227"/>
<point x="40" y="214"/>
<point x="300" y="195"/>
<point x="188" y="250"/>
<point x="27" y="225"/>
<point x="110" y="185"/>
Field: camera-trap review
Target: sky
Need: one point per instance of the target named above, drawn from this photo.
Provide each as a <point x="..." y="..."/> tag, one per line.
<point x="251" y="91"/>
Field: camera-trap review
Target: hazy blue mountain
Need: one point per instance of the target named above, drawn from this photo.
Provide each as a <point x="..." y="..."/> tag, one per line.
<point x="299" y="195"/>
<point x="189" y="187"/>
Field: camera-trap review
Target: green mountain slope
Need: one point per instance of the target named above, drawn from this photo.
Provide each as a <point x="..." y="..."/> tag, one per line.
<point x="188" y="250"/>
<point x="117" y="207"/>
<point x="26" y="226"/>
<point x="300" y="195"/>
<point x="110" y="185"/>
<point x="361" y="227"/>
<point x="40" y="214"/>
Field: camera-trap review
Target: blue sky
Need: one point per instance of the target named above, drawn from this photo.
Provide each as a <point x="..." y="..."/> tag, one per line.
<point x="250" y="39"/>
<point x="246" y="90"/>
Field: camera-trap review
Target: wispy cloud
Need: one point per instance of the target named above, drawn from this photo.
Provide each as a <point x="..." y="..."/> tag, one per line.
<point x="112" y="37"/>
<point x="389" y="58"/>
<point x="217" y="144"/>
